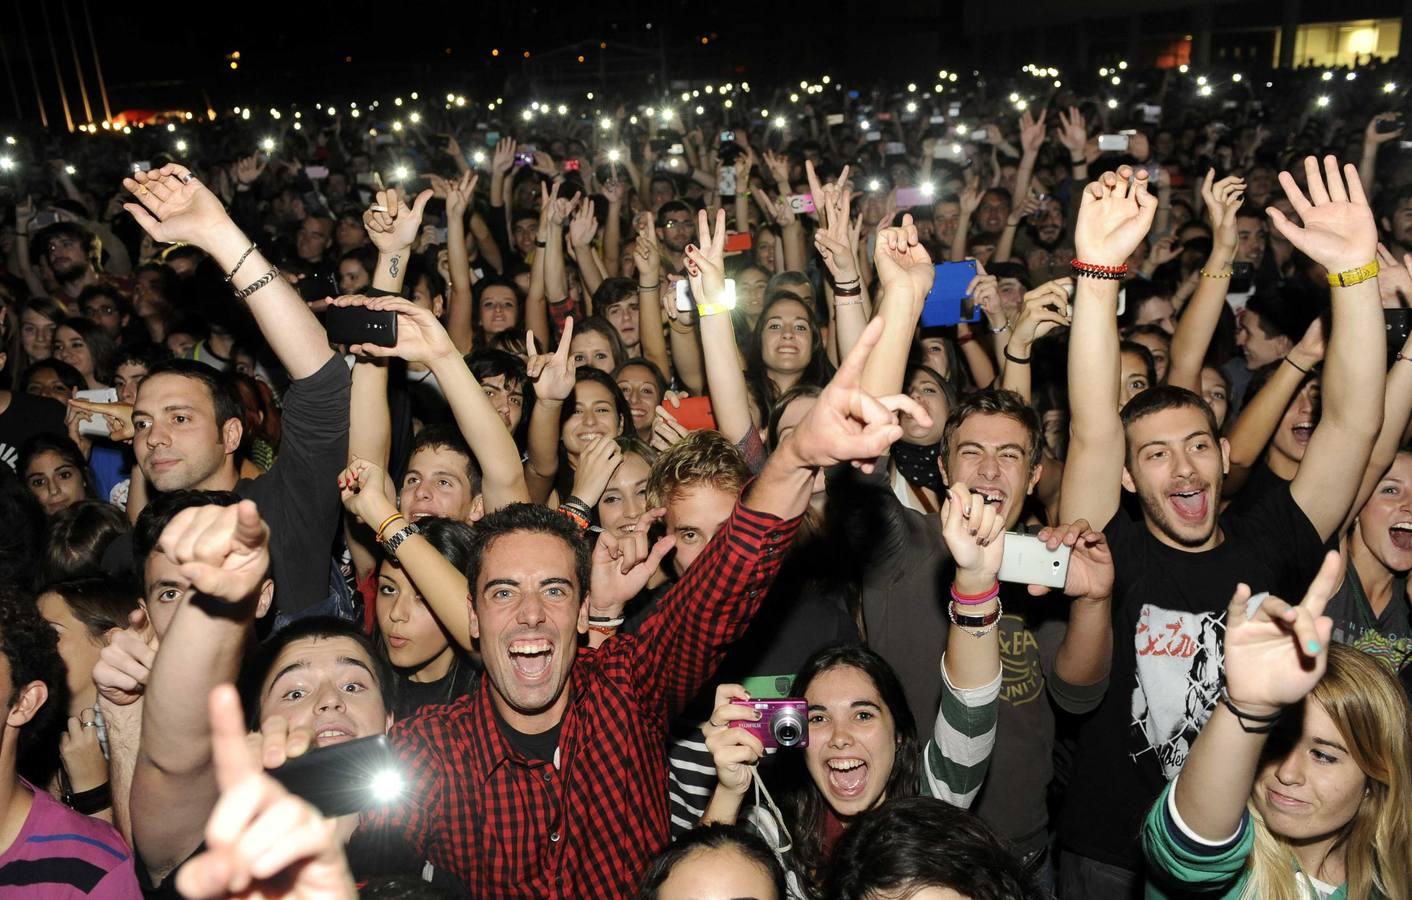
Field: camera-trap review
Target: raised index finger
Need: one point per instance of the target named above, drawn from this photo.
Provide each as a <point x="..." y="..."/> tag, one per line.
<point x="228" y="752"/>
<point x="1324" y="585"/>
<point x="562" y="353"/>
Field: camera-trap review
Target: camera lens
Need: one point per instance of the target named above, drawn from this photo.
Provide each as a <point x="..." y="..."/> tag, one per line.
<point x="788" y="727"/>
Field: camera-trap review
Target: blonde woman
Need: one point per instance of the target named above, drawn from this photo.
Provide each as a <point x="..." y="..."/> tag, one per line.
<point x="1298" y="786"/>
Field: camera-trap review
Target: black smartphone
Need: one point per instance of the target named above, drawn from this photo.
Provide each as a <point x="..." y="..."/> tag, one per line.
<point x="345" y="778"/>
<point x="317" y="287"/>
<point x="1399" y="326"/>
<point x="1388" y="126"/>
<point x="350" y="325"/>
<point x="1242" y="277"/>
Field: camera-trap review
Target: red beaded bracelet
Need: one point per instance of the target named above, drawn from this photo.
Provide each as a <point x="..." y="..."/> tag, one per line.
<point x="1092" y="270"/>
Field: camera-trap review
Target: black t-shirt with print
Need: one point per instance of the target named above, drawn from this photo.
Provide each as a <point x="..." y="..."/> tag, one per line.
<point x="1169" y="616"/>
<point x="24" y="417"/>
<point x="1386" y="636"/>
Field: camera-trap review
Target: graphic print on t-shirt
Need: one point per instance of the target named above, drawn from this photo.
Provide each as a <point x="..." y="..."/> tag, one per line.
<point x="1178" y="679"/>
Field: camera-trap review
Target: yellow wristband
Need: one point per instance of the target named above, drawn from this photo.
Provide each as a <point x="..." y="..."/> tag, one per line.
<point x="710" y="309"/>
<point x="1350" y="277"/>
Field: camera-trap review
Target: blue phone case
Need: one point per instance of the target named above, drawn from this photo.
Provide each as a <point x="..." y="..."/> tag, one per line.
<point x="943" y="303"/>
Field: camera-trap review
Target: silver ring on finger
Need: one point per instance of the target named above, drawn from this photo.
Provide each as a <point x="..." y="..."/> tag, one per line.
<point x="187" y="178"/>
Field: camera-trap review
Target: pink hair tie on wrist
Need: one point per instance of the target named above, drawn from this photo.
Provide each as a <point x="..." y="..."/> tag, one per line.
<point x="986" y="596"/>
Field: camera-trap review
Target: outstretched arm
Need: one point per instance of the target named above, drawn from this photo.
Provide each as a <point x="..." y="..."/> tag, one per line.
<point x="1203" y="312"/>
<point x="1339" y="233"/>
<point x="172" y="206"/>
<point x="224" y="552"/>
<point x="553" y="378"/>
<point x="730" y="400"/>
<point x="1115" y="215"/>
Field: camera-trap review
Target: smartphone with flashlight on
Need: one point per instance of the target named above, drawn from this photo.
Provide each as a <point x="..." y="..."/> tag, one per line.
<point x="684" y="295"/>
<point x="345" y="778"/>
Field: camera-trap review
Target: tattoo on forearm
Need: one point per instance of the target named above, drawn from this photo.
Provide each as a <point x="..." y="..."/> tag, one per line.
<point x="392" y="266"/>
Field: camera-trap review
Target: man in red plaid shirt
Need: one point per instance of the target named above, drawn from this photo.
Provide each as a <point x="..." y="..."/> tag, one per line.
<point x="550" y="780"/>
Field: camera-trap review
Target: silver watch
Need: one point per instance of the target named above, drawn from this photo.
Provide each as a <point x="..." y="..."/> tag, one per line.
<point x="400" y="535"/>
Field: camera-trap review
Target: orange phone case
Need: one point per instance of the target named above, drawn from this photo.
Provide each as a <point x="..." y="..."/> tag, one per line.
<point x="694" y="414"/>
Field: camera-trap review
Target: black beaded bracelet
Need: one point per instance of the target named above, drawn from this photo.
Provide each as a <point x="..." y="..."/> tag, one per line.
<point x="1018" y="360"/>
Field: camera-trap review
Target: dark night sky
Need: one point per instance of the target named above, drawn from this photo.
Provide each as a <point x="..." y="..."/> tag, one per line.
<point x="297" y="51"/>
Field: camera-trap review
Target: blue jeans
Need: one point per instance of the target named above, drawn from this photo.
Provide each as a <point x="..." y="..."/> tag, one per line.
<point x="1082" y="878"/>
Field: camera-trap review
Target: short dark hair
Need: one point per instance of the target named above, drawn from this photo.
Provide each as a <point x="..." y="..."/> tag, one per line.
<point x="92" y="246"/>
<point x="995" y="402"/>
<point x="78" y="537"/>
<point x="1284" y="312"/>
<point x="67" y="373"/>
<point x="224" y="399"/>
<point x="1140" y="351"/>
<point x="1011" y="270"/>
<point x="912" y="843"/>
<point x="1164" y="397"/>
<point x="534" y="519"/>
<point x="445" y="436"/>
<point x="158" y="514"/>
<point x="672" y="206"/>
<point x="614" y="289"/>
<point x="99" y="604"/>
<point x="710" y="837"/>
<point x="257" y="664"/>
<point x="31" y="647"/>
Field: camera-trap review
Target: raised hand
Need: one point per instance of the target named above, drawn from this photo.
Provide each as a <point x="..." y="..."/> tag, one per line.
<point x="1073" y="132"/>
<point x="125" y="662"/>
<point x="1339" y="232"/>
<point x="1032" y="132"/>
<point x="973" y="530"/>
<point x="902" y="263"/>
<point x="706" y="262"/>
<point x="583" y="227"/>
<point x="261" y="840"/>
<point x="248" y="169"/>
<point x="117" y="415"/>
<point x="734" y="751"/>
<point x="360" y="487"/>
<point x="1373" y="137"/>
<point x="173" y="206"/>
<point x="459" y="194"/>
<point x="1044" y="309"/>
<point x="421" y="338"/>
<point x="393" y="226"/>
<point x="551" y="373"/>
<point x="1222" y="199"/>
<point x="779" y="211"/>
<point x="623" y="563"/>
<point x="1164" y="251"/>
<point x="1114" y="217"/>
<point x="847" y="424"/>
<point x="82" y="754"/>
<point x="224" y="551"/>
<point x="1276" y="653"/>
<point x="504" y="158"/>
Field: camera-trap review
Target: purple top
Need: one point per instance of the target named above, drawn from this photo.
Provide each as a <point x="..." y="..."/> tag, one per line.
<point x="60" y="854"/>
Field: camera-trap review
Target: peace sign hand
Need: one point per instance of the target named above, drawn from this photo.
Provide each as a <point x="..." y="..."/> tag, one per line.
<point x="706" y="263"/>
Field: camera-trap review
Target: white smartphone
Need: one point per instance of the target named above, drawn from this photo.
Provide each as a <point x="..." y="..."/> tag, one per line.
<point x="683" y="296"/>
<point x="1113" y="143"/>
<point x="95" y="425"/>
<point x="1028" y="561"/>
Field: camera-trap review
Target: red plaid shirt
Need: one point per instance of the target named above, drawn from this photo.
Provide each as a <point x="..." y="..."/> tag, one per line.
<point x="509" y="827"/>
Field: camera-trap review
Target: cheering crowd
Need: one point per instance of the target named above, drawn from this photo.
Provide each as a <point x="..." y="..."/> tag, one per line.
<point x="682" y="498"/>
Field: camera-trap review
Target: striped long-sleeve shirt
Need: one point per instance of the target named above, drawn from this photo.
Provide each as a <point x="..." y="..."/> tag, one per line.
<point x="61" y="854"/>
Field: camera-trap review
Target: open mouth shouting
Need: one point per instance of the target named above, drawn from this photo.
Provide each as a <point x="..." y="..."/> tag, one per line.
<point x="848" y="777"/>
<point x="531" y="658"/>
<point x="1401" y="535"/>
<point x="1302" y="432"/>
<point x="1191" y="504"/>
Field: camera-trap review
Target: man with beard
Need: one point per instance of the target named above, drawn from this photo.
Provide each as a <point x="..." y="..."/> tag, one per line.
<point x="550" y="780"/>
<point x="1043" y="244"/>
<point x="1177" y="567"/>
<point x="676" y="227"/>
<point x="73" y="254"/>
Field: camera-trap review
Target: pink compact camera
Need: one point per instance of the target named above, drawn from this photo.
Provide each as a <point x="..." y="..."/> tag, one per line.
<point x="782" y="723"/>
